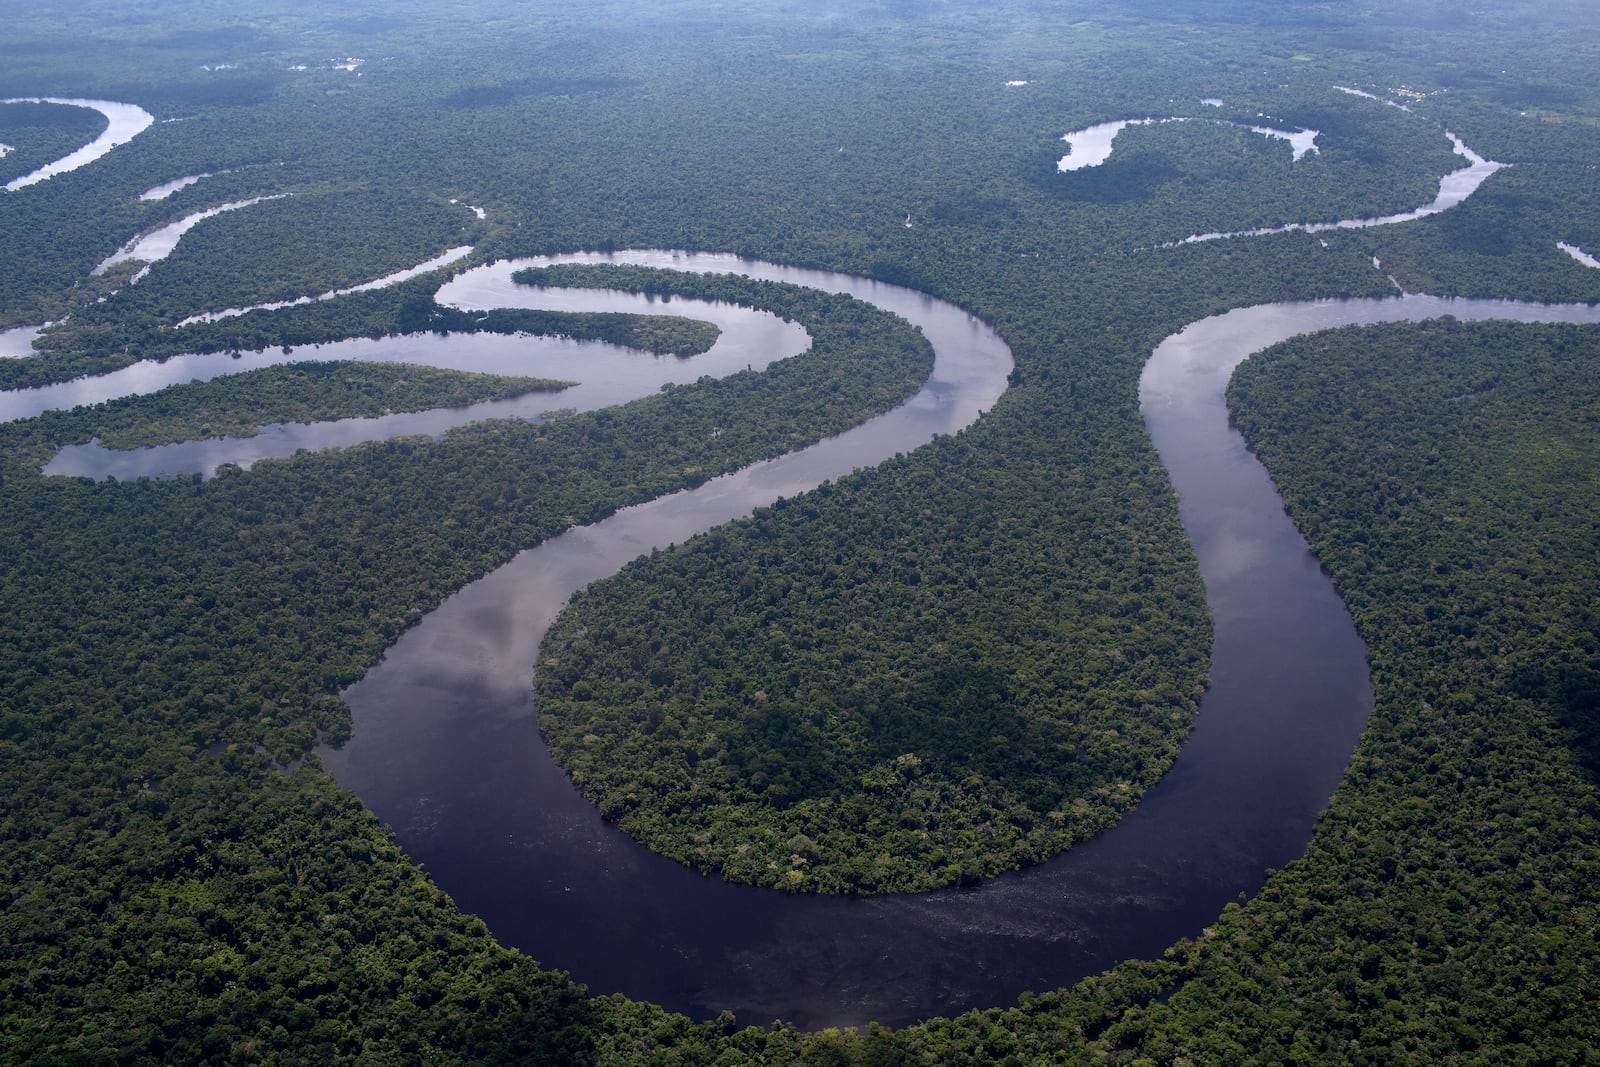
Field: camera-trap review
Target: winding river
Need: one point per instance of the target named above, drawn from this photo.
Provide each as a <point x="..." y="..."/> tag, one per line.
<point x="445" y="748"/>
<point x="606" y="374"/>
<point x="446" y="751"/>
<point x="124" y="122"/>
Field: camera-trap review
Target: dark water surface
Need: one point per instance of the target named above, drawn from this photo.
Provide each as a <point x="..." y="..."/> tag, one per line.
<point x="447" y="752"/>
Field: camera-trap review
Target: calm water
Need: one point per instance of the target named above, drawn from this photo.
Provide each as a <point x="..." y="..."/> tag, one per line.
<point x="446" y="749"/>
<point x="447" y="752"/>
<point x="607" y="375"/>
<point x="124" y="122"/>
<point x="1454" y="188"/>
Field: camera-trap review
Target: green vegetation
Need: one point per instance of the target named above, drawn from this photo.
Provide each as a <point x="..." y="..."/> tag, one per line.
<point x="43" y="133"/>
<point x="212" y="874"/>
<point x="238" y="405"/>
<point x="861" y="691"/>
<point x="163" y="902"/>
<point x="1449" y="477"/>
<point x="407" y="308"/>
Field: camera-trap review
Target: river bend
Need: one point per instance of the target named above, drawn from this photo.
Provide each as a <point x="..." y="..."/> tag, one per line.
<point x="446" y="749"/>
<point x="124" y="122"/>
<point x="606" y="375"/>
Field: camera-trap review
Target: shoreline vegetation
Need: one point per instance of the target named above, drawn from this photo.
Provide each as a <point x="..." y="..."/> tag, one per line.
<point x="64" y="354"/>
<point x="169" y="895"/>
<point x="238" y="405"/>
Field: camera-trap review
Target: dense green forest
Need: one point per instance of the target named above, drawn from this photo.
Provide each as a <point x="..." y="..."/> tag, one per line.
<point x="65" y="352"/>
<point x="36" y="134"/>
<point x="859" y="693"/>
<point x="238" y="405"/>
<point x="177" y="888"/>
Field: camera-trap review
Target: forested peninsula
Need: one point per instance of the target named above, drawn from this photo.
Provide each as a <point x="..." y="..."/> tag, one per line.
<point x="298" y="392"/>
<point x="927" y="673"/>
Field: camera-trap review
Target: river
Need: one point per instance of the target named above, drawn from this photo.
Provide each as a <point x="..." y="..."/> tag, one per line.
<point x="124" y="122"/>
<point x="446" y="751"/>
<point x="606" y="374"/>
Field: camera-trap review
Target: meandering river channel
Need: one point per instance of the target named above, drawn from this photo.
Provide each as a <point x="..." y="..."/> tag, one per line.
<point x="446" y="751"/>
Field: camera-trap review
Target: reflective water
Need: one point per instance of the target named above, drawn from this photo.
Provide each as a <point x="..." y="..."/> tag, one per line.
<point x="18" y="343"/>
<point x="446" y="751"/>
<point x="166" y="189"/>
<point x="606" y="374"/>
<point x="124" y="123"/>
<point x="159" y="244"/>
<point x="444" y="259"/>
<point x="1453" y="189"/>
<point x="1579" y="254"/>
<point x="1092" y="146"/>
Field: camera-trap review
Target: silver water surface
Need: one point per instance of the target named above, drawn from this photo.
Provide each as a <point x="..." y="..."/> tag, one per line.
<point x="606" y="374"/>
<point x="124" y="122"/>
